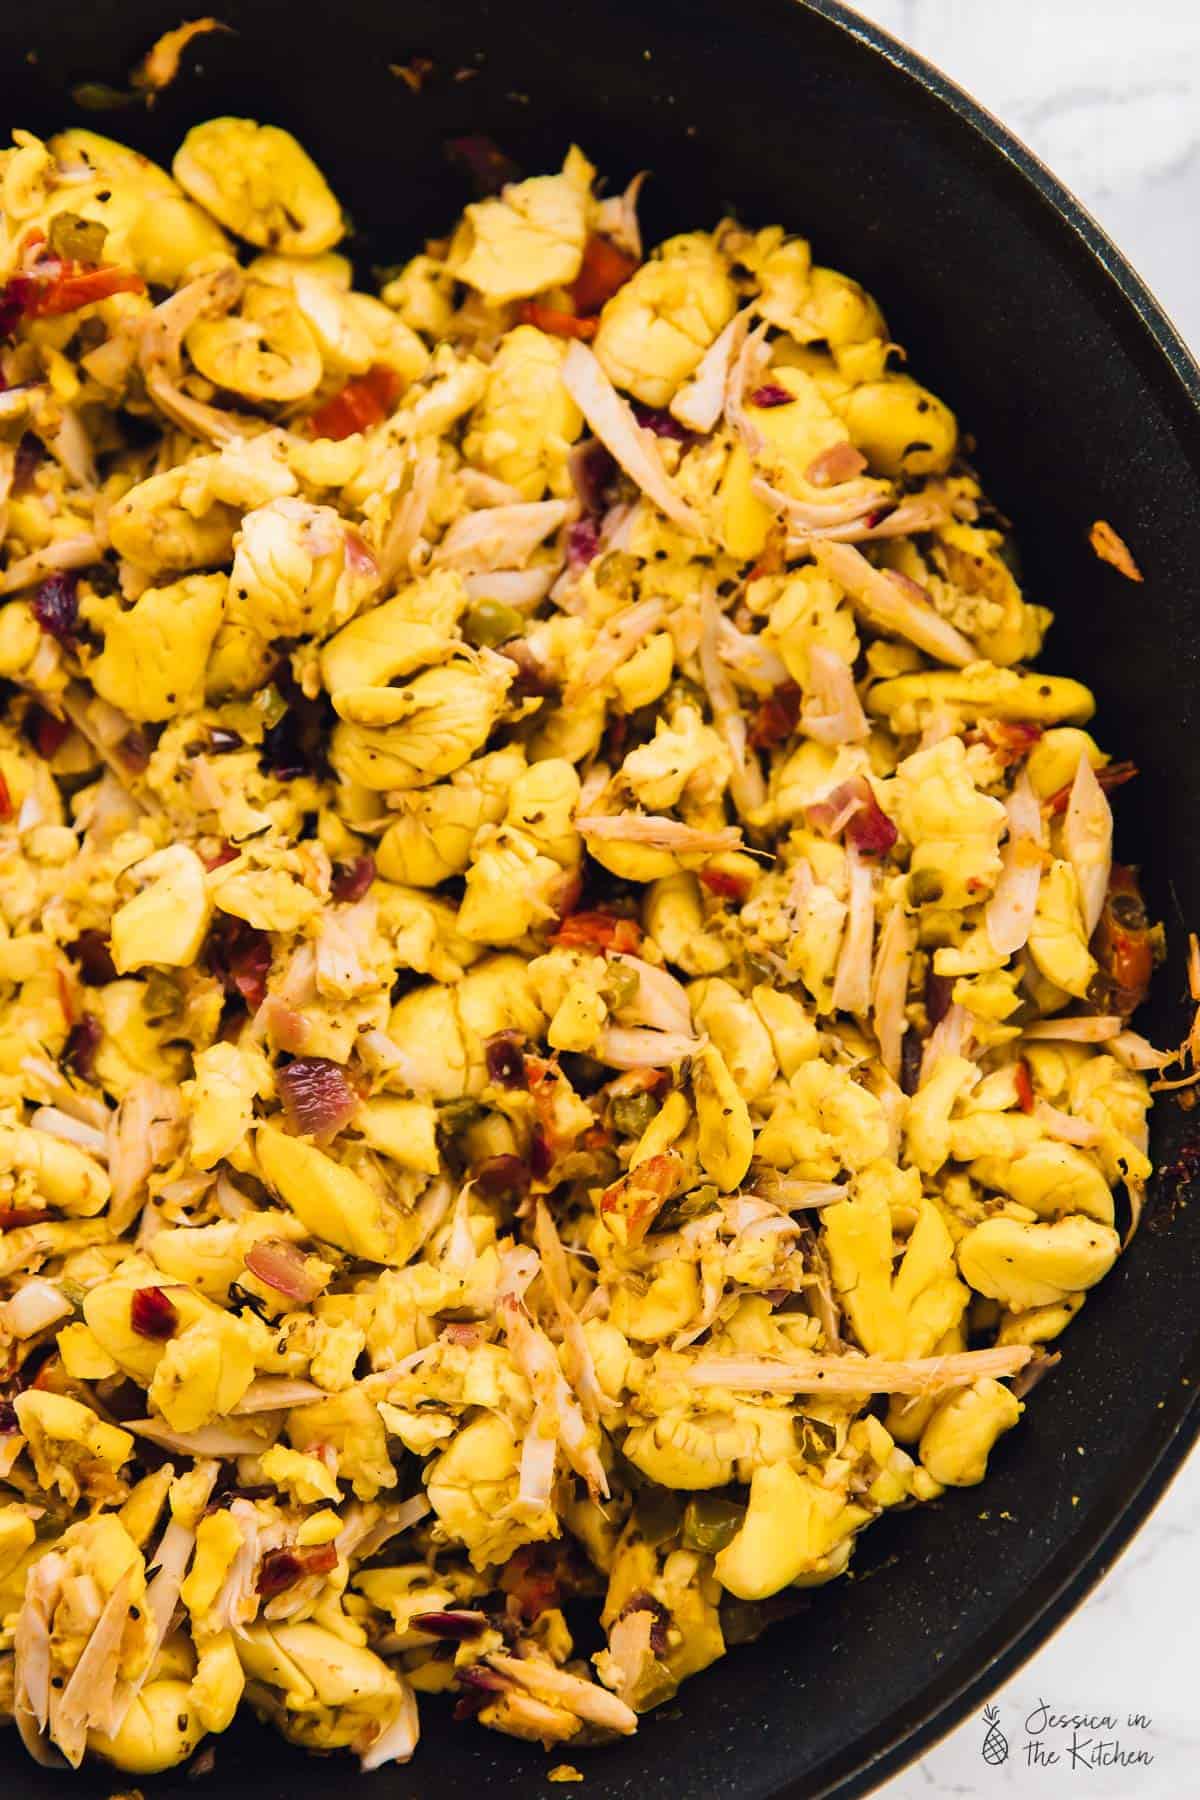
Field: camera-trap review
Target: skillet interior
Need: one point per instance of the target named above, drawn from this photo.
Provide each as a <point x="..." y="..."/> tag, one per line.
<point x="1085" y="407"/>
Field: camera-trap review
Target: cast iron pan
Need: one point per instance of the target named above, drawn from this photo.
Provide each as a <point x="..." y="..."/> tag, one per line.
<point x="1084" y="402"/>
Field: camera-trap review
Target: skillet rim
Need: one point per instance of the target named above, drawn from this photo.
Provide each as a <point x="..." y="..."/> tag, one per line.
<point x="1158" y="1455"/>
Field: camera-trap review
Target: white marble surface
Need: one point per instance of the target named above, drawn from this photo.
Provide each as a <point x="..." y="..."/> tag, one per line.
<point x="1108" y="93"/>
<point x="1130" y="1649"/>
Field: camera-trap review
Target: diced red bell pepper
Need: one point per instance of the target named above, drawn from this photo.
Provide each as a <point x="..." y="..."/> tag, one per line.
<point x="556" y="323"/>
<point x="777" y="716"/>
<point x="532" y="1576"/>
<point x="54" y="288"/>
<point x="76" y="286"/>
<point x="12" y="1218"/>
<point x="599" y="931"/>
<point x="367" y="400"/>
<point x="1112" y="775"/>
<point x="1123" y="944"/>
<point x="226" y="854"/>
<point x="1010" y="739"/>
<point x="46" y="733"/>
<point x="724" y="884"/>
<point x="603" y="270"/>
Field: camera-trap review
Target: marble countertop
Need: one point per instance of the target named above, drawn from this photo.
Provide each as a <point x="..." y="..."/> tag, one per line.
<point x="1108" y="94"/>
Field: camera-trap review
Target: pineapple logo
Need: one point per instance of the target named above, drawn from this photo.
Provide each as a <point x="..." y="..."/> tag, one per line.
<point x="995" y="1744"/>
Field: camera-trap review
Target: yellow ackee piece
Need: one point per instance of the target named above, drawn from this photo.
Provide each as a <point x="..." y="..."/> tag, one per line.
<point x="218" y="1540"/>
<point x="319" y="1527"/>
<point x="959" y="1437"/>
<point x="166" y="922"/>
<point x="337" y="1205"/>
<point x="655" y="329"/>
<point x="528" y="239"/>
<point x="58" y="1429"/>
<point x="726" y="1137"/>
<point x="260" y="183"/>
<point x="154" y="657"/>
<point x="160" y="1730"/>
<point x="792" y="1524"/>
<point x="901" y="1315"/>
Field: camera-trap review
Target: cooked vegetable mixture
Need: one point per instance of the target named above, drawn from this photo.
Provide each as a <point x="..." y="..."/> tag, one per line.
<point x="565" y="992"/>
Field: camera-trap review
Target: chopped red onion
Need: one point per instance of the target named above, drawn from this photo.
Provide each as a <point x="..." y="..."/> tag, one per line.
<point x="477" y="1675"/>
<point x="1012" y="739"/>
<point x="644" y="1602"/>
<point x="501" y="1175"/>
<point x="458" y="1627"/>
<point x="134" y="750"/>
<point x="660" y="422"/>
<point x="280" y="1265"/>
<point x="83" y="1041"/>
<point x="56" y="604"/>
<point x="8" y="1417"/>
<point x="593" y="471"/>
<point x="871" y="831"/>
<point x="240" y="957"/>
<point x="939" y="990"/>
<point x="840" y="462"/>
<point x="283" y="1568"/>
<point x="360" y="558"/>
<point x="772" y="394"/>
<point x="351" y="880"/>
<point x="94" y="958"/>
<point x="505" y="1059"/>
<point x="46" y="733"/>
<point x="287" y="1029"/>
<point x="317" y="1097"/>
<point x="153" y="1314"/>
<point x="532" y="679"/>
<point x="541" y="1153"/>
<point x="862" y="820"/>
<point x="16" y="298"/>
<point x="30" y="452"/>
<point x="777" y="716"/>
<point x="583" y="541"/>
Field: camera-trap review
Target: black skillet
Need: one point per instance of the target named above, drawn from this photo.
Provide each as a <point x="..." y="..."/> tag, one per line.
<point x="1084" y="403"/>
